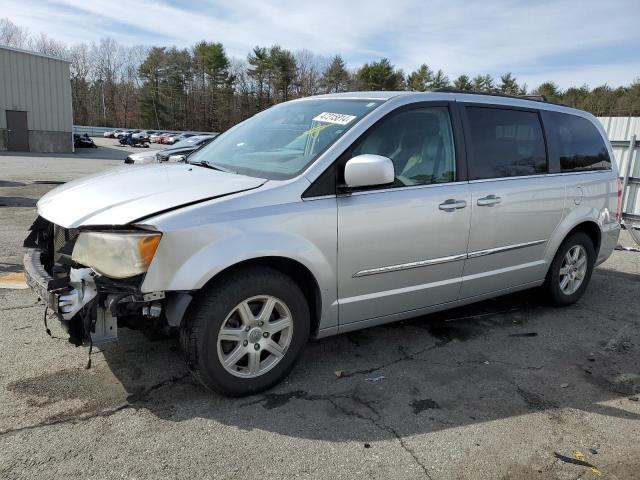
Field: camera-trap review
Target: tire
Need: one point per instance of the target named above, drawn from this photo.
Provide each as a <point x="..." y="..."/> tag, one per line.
<point x="557" y="284"/>
<point x="236" y="302"/>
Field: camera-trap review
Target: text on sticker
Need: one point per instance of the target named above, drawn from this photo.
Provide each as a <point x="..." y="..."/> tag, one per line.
<point x="337" y="118"/>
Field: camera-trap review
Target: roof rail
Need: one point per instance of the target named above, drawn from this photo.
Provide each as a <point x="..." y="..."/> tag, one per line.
<point x="535" y="98"/>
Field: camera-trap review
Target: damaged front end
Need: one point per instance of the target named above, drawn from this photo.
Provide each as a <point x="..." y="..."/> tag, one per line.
<point x="86" y="302"/>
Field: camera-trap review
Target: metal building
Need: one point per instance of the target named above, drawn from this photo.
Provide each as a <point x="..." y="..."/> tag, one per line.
<point x="35" y="102"/>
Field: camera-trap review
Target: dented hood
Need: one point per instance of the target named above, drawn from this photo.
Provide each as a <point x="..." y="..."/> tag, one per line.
<point x="123" y="195"/>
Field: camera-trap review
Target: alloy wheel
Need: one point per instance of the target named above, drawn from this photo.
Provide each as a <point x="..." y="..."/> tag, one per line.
<point x="573" y="269"/>
<point x="255" y="336"/>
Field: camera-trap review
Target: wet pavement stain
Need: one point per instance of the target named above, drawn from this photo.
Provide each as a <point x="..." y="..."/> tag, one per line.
<point x="422" y="405"/>
<point x="9" y="184"/>
<point x="10" y="267"/>
<point x="17" y="202"/>
<point x="448" y="332"/>
<point x="70" y="393"/>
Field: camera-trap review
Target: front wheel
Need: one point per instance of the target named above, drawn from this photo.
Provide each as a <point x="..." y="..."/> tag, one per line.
<point x="571" y="270"/>
<point x="245" y="331"/>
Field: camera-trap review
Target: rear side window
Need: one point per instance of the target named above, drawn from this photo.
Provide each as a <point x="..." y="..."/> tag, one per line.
<point x="504" y="143"/>
<point x="575" y="144"/>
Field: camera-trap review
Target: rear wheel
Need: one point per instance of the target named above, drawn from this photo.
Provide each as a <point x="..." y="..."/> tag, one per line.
<point x="571" y="270"/>
<point x="246" y="331"/>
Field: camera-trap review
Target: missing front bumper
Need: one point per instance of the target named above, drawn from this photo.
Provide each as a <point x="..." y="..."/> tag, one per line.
<point x="67" y="299"/>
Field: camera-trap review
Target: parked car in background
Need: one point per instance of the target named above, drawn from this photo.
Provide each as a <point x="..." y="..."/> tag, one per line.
<point x="111" y="133"/>
<point x="127" y="132"/>
<point x="133" y="141"/>
<point x="179" y="136"/>
<point x="82" y="140"/>
<point x="165" y="137"/>
<point x="396" y="204"/>
<point x="183" y="147"/>
<point x="155" y="137"/>
<point x="142" y="135"/>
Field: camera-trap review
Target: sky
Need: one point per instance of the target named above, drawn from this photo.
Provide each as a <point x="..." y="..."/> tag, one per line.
<point x="571" y="42"/>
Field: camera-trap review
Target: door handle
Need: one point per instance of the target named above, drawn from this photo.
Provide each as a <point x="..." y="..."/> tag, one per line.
<point x="452" y="204"/>
<point x="489" y="201"/>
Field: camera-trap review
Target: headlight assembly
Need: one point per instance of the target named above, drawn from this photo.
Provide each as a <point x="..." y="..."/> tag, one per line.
<point x="116" y="255"/>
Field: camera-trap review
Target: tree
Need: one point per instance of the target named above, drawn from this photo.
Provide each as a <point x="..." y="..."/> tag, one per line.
<point x="602" y="100"/>
<point x="421" y="79"/>
<point x="284" y="71"/>
<point x="259" y="69"/>
<point x="628" y="103"/>
<point x="440" y="80"/>
<point x="576" y="96"/>
<point x="202" y="88"/>
<point x="80" y="70"/>
<point x="48" y="46"/>
<point x="463" y="83"/>
<point x="335" y="77"/>
<point x="483" y="83"/>
<point x="309" y="72"/>
<point x="508" y="84"/>
<point x="379" y="76"/>
<point x="212" y="67"/>
<point x="550" y="91"/>
<point x="12" y="35"/>
<point x="153" y="105"/>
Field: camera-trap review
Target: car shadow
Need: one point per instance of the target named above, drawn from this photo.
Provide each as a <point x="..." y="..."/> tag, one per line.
<point x="500" y="358"/>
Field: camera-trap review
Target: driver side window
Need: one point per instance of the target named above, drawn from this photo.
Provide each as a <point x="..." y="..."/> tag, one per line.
<point x="418" y="141"/>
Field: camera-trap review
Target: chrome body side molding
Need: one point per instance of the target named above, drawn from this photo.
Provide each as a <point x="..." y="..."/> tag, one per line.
<point x="451" y="258"/>
<point x="506" y="248"/>
<point x="406" y="266"/>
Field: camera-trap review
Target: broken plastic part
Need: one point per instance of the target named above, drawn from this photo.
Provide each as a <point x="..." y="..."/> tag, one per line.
<point x="84" y="290"/>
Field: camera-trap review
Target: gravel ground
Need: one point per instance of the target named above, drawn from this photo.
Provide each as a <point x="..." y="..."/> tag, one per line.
<point x="493" y="390"/>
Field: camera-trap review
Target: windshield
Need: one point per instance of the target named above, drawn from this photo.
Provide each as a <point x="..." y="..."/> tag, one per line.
<point x="282" y="141"/>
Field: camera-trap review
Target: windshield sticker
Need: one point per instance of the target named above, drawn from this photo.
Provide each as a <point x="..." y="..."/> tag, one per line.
<point x="335" y="118"/>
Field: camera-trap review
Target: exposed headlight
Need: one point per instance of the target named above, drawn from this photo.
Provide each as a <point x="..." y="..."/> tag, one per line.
<point x="116" y="255"/>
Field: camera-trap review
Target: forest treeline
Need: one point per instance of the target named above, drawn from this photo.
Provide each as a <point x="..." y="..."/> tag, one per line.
<point x="202" y="88"/>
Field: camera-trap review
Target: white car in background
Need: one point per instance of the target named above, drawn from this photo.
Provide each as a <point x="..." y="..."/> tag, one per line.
<point x="111" y="133"/>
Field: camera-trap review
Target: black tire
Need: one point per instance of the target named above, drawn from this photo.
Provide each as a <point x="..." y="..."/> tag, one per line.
<point x="552" y="284"/>
<point x="210" y="308"/>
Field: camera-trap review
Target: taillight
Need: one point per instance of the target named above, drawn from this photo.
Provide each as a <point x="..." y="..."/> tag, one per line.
<point x="619" y="206"/>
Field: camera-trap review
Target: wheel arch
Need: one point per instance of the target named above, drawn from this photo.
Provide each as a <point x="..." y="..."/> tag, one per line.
<point x="592" y="229"/>
<point x="588" y="226"/>
<point x="294" y="270"/>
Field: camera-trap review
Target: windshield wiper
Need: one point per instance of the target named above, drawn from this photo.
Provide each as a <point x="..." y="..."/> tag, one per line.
<point x="204" y="163"/>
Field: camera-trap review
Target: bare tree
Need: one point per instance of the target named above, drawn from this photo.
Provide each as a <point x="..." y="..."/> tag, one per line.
<point x="12" y="35"/>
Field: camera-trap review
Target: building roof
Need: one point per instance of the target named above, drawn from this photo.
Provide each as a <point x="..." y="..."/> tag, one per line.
<point x="28" y="52"/>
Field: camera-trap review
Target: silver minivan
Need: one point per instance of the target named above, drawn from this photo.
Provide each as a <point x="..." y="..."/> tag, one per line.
<point x="329" y="214"/>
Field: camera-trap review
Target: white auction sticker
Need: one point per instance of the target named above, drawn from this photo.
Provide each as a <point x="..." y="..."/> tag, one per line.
<point x="337" y="118"/>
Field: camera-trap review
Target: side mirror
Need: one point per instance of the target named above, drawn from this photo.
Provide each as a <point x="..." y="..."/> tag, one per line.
<point x="369" y="171"/>
<point x="177" y="158"/>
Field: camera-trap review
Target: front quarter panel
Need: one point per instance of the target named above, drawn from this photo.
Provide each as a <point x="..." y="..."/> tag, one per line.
<point x="200" y="241"/>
